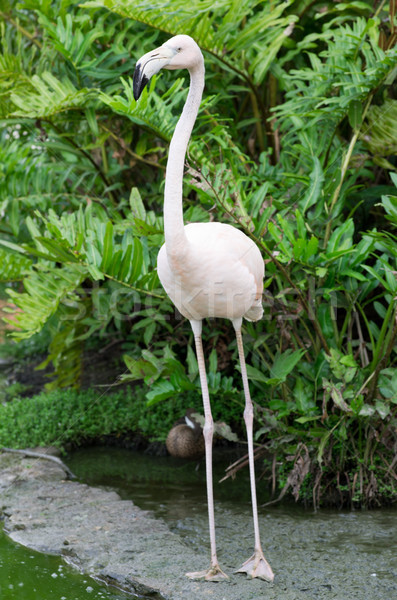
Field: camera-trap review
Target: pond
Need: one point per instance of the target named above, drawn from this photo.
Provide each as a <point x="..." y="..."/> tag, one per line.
<point x="316" y="556"/>
<point x="29" y="575"/>
<point x="347" y="554"/>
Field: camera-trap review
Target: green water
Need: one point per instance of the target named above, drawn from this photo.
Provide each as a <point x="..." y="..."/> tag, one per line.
<point x="29" y="575"/>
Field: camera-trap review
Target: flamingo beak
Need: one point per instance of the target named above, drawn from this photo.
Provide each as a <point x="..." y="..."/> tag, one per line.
<point x="149" y="65"/>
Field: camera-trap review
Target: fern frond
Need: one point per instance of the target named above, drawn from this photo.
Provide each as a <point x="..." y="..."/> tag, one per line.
<point x="44" y="291"/>
<point x="380" y="129"/>
<point x="50" y="97"/>
<point x="152" y="111"/>
<point x="15" y="59"/>
<point x="245" y="35"/>
<point x="31" y="178"/>
<point x="351" y="67"/>
<point x="69" y="39"/>
<point x="66" y="352"/>
<point x="252" y="35"/>
<point x="13" y="267"/>
<point x="171" y="17"/>
<point x="88" y="239"/>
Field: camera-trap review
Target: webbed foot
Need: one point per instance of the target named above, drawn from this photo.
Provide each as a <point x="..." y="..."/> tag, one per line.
<point x="257" y="566"/>
<point x="214" y="573"/>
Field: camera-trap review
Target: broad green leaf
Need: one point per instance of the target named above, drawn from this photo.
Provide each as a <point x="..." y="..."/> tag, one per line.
<point x="136" y="204"/>
<point x="376" y="275"/>
<point x="149" y="332"/>
<point x="316" y="180"/>
<point x="125" y="265"/>
<point x="255" y="374"/>
<point x="139" y="368"/>
<point x="287" y="228"/>
<point x="367" y="411"/>
<point x="355" y="114"/>
<point x="115" y="263"/>
<point x="137" y="261"/>
<point x="322" y="445"/>
<point x="91" y="120"/>
<point x="354" y="274"/>
<point x="283" y="365"/>
<point x="342" y="238"/>
<point x="299" y="248"/>
<point x="108" y="247"/>
<point x="382" y="409"/>
<point x="161" y="390"/>
<point x="304" y="396"/>
<point x="192" y="363"/>
<point x="213" y="361"/>
<point x="304" y="420"/>
<point x="311" y="248"/>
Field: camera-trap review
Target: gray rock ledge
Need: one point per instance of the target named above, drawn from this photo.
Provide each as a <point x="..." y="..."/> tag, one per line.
<point x="105" y="537"/>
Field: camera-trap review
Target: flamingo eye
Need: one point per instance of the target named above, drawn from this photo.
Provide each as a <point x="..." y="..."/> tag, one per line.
<point x="179" y="49"/>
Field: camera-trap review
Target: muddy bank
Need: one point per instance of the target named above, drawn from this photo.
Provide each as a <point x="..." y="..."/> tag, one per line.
<point x="329" y="557"/>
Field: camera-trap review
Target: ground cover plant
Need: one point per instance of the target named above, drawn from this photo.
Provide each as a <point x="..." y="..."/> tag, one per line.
<point x="68" y="418"/>
<point x="294" y="144"/>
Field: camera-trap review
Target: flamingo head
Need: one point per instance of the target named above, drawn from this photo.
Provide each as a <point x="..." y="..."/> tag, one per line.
<point x="180" y="52"/>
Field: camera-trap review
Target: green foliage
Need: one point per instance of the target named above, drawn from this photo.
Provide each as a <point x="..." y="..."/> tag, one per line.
<point x="380" y="131"/>
<point x="251" y="37"/>
<point x="41" y="299"/>
<point x="13" y="266"/>
<point x="63" y="417"/>
<point x="50" y="97"/>
<point x="294" y="144"/>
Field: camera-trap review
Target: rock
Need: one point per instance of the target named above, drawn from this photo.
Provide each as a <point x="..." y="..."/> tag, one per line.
<point x="102" y="535"/>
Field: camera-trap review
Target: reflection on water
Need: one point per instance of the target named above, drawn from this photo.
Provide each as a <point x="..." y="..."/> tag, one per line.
<point x="169" y="487"/>
<point x="175" y="491"/>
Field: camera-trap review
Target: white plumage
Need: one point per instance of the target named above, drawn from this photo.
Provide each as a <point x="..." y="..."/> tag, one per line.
<point x="220" y="274"/>
<point x="208" y="270"/>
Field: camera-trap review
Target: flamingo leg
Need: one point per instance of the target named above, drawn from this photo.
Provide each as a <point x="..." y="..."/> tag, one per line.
<point x="256" y="565"/>
<point x="214" y="573"/>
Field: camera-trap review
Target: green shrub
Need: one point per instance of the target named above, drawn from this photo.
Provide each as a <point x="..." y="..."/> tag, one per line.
<point x="65" y="417"/>
<point x="293" y="144"/>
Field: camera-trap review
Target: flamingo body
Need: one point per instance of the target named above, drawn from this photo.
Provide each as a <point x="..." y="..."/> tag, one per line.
<point x="220" y="274"/>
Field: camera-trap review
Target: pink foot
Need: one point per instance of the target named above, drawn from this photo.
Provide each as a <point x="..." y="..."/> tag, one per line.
<point x="257" y="566"/>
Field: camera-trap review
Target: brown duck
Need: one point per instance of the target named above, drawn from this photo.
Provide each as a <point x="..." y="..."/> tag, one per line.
<point x="185" y="439"/>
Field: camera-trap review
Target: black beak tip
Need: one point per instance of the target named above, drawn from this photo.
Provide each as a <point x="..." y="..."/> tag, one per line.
<point x="139" y="82"/>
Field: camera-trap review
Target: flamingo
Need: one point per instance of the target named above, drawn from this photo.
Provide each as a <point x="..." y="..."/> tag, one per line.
<point x="207" y="270"/>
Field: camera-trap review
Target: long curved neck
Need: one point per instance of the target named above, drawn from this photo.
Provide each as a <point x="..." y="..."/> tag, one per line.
<point x="175" y="238"/>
